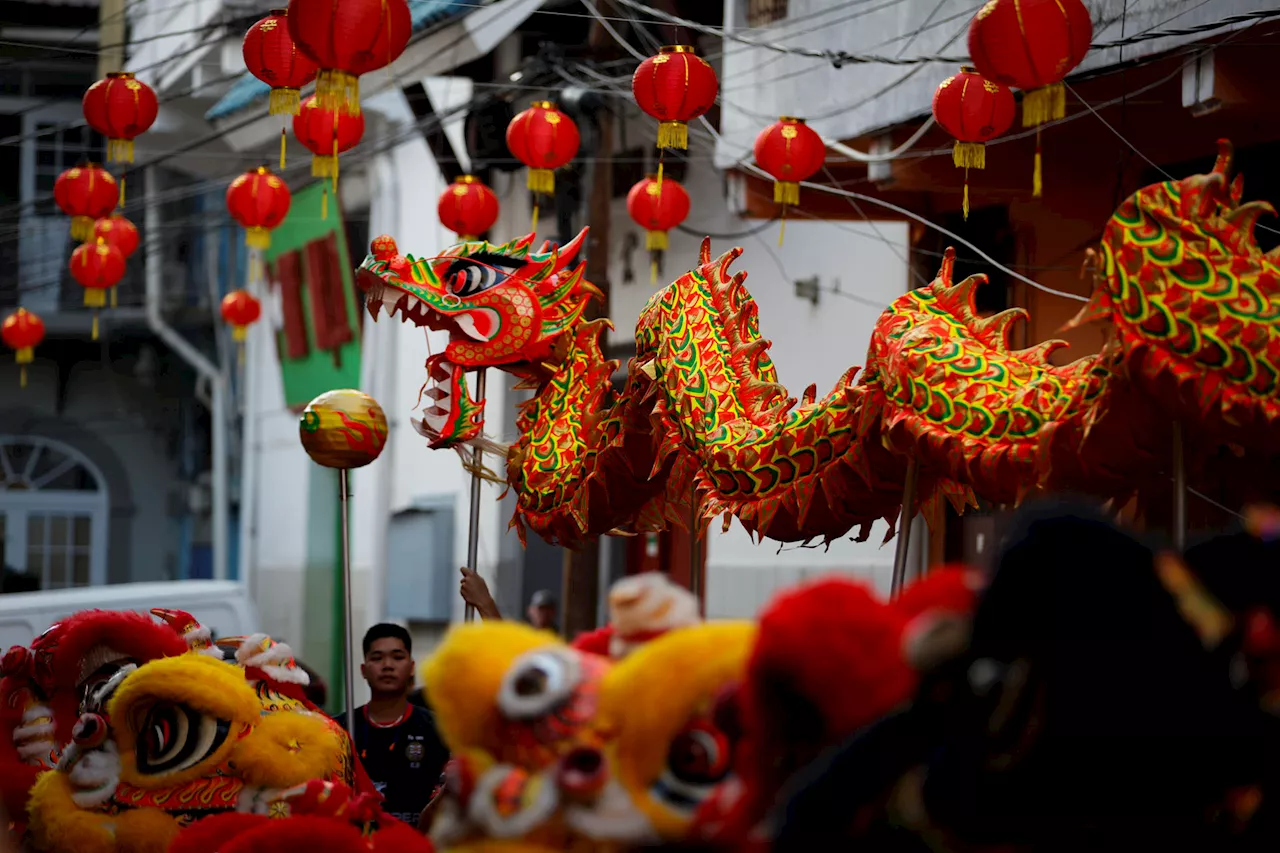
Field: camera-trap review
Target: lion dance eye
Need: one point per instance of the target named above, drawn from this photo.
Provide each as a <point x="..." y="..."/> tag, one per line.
<point x="175" y="737"/>
<point x="697" y="760"/>
<point x="537" y="684"/>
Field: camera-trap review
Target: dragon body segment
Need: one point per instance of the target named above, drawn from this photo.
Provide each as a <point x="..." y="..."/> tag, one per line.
<point x="702" y="427"/>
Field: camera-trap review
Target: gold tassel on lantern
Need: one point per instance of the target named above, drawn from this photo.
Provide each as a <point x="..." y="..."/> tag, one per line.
<point x="1048" y="103"/>
<point x="121" y="192"/>
<point x="95" y="298"/>
<point x="673" y="134"/>
<point x="656" y="241"/>
<point x="1036" y="182"/>
<point x="115" y="301"/>
<point x="285" y="102"/>
<point x="81" y="228"/>
<point x="542" y="181"/>
<point x="284" y="146"/>
<point x="786" y="192"/>
<point x="338" y="90"/>
<point x="968" y="155"/>
<point x="120" y="150"/>
<point x="25" y="355"/>
<point x="257" y="238"/>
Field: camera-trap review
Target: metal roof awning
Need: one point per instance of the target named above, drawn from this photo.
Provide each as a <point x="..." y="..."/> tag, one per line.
<point x="249" y="90"/>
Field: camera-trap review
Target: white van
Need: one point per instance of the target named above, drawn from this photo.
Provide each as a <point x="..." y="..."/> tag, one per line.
<point x="223" y="606"/>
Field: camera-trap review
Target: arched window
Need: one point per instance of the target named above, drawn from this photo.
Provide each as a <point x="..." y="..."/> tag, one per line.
<point x="53" y="515"/>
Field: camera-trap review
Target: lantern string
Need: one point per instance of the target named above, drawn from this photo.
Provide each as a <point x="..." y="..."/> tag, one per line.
<point x="653" y="268"/>
<point x="122" y="192"/>
<point x="782" y="226"/>
<point x="22" y="373"/>
<point x="115" y="303"/>
<point x="662" y="152"/>
<point x="534" y="226"/>
<point x="324" y="203"/>
<point x="284" y="144"/>
<point x="964" y="204"/>
<point x="93" y="335"/>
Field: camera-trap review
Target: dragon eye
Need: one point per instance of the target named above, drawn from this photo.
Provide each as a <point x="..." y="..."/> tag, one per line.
<point x="175" y="737"/>
<point x="469" y="279"/>
<point x="537" y="684"/>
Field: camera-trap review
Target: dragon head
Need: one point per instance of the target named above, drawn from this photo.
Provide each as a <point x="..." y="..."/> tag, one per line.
<point x="504" y="306"/>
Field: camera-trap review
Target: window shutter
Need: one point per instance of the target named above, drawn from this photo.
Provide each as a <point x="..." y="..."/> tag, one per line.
<point x="328" y="295"/>
<point x="287" y="273"/>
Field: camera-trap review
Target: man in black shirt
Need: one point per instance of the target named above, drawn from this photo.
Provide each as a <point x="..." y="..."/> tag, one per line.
<point x="396" y="740"/>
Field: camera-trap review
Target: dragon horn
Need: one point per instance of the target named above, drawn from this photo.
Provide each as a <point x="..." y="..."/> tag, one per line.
<point x="948" y="266"/>
<point x="704" y="254"/>
<point x="1226" y="153"/>
<point x="570" y="250"/>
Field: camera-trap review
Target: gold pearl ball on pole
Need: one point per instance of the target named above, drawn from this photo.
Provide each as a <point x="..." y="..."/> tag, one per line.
<point x="344" y="429"/>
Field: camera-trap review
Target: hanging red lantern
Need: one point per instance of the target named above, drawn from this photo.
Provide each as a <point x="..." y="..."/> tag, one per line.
<point x="86" y="193"/>
<point x="468" y="207"/>
<point x="1031" y="45"/>
<point x="346" y="40"/>
<point x="791" y="152"/>
<point x="544" y="139"/>
<point x="972" y="109"/>
<point x="121" y="108"/>
<point x="657" y="205"/>
<point x="22" y="332"/>
<point x="675" y="87"/>
<point x="259" y="201"/>
<point x="240" y="309"/>
<point x="118" y="232"/>
<point x="272" y="57"/>
<point x="326" y="133"/>
<point x="97" y="267"/>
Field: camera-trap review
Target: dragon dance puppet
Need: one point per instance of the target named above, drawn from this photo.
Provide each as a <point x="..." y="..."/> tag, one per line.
<point x="163" y="727"/>
<point x="1192" y="304"/>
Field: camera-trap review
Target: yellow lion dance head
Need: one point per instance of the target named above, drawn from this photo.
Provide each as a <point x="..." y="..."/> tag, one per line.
<point x="556" y="748"/>
<point x="181" y="738"/>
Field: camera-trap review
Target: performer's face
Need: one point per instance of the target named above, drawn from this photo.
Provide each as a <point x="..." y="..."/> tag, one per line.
<point x="388" y="667"/>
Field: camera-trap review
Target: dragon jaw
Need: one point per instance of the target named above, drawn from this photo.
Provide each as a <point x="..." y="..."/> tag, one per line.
<point x="502" y="305"/>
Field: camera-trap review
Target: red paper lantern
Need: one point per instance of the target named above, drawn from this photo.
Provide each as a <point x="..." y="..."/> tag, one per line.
<point x="259" y="201"/>
<point x="675" y="87"/>
<point x="97" y="267"/>
<point x="791" y="152"/>
<point x="272" y="57"/>
<point x="1031" y="45"/>
<point x="468" y="207"/>
<point x="346" y="40"/>
<point x="240" y="309"/>
<point x="657" y="207"/>
<point x="326" y="133"/>
<point x="22" y="332"/>
<point x="86" y="193"/>
<point x="544" y="139"/>
<point x="972" y="109"/>
<point x="118" y="232"/>
<point x="121" y="108"/>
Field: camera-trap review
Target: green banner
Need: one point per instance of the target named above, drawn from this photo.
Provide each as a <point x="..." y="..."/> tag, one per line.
<point x="319" y="344"/>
